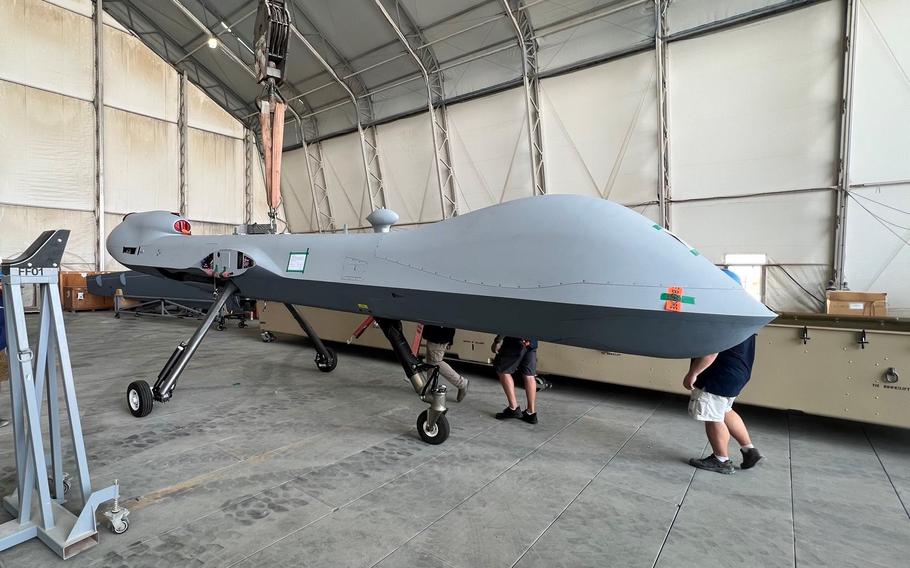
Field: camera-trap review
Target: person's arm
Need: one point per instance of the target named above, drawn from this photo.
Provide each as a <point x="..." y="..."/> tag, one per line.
<point x="496" y="341"/>
<point x="697" y="365"/>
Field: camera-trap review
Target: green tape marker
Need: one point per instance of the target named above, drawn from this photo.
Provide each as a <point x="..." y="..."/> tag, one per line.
<point x="656" y="226"/>
<point x="677" y="298"/>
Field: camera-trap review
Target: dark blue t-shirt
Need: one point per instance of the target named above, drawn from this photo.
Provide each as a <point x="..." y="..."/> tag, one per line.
<point x="730" y="371"/>
<point x="510" y="344"/>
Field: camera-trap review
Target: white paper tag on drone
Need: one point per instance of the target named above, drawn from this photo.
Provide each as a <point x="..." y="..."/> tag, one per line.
<point x="297" y="261"/>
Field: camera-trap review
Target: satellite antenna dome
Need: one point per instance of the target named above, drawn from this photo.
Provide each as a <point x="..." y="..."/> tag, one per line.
<point x="382" y="220"/>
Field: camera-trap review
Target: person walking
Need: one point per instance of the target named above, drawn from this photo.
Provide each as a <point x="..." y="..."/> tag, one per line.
<point x="516" y="355"/>
<point x="439" y="340"/>
<point x="715" y="381"/>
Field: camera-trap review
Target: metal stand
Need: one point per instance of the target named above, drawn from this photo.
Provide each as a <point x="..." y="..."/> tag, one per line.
<point x="140" y="396"/>
<point x="38" y="512"/>
<point x="156" y="307"/>
<point x="326" y="360"/>
<point x="432" y="424"/>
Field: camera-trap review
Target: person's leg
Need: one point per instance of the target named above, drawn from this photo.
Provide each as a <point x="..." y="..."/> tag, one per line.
<point x="508" y="387"/>
<point x="737" y="428"/>
<point x="531" y="392"/>
<point x="435" y="356"/>
<point x="719" y="438"/>
<point x="710" y="409"/>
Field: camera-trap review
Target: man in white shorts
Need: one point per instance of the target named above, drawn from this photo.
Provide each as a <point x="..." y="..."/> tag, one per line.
<point x="715" y="381"/>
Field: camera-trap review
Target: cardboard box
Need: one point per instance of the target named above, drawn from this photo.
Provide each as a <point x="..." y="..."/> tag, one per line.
<point x="869" y="304"/>
<point x="78" y="299"/>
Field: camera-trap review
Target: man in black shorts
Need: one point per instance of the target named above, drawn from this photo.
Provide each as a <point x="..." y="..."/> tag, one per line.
<point x="516" y="355"/>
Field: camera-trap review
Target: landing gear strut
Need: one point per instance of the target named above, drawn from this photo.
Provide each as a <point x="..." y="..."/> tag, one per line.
<point x="140" y="396"/>
<point x="432" y="424"/>
<point x="326" y="360"/>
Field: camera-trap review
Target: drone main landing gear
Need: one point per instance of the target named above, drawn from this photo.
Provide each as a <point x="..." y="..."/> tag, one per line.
<point x="326" y="360"/>
<point x="140" y="396"/>
<point x="432" y="424"/>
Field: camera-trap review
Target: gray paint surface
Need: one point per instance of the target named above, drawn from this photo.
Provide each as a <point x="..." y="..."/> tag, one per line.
<point x="568" y="269"/>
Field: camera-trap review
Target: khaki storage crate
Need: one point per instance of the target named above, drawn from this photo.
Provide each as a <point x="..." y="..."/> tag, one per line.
<point x="857" y="303"/>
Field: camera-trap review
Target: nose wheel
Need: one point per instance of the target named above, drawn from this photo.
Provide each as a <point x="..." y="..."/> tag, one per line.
<point x="436" y="434"/>
<point x="139" y="398"/>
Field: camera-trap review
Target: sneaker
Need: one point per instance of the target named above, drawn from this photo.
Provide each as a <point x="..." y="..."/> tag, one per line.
<point x="4" y="422"/>
<point x="530" y="418"/>
<point x="462" y="391"/>
<point x="750" y="457"/>
<point x="508" y="412"/>
<point x="711" y="463"/>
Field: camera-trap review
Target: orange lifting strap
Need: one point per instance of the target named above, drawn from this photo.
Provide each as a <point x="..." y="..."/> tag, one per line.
<point x="271" y="119"/>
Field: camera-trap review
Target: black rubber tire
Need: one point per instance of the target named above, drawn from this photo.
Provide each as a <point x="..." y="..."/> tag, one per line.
<point x="146" y="400"/>
<point x="327" y="366"/>
<point x="442" y="429"/>
<point x="242" y="324"/>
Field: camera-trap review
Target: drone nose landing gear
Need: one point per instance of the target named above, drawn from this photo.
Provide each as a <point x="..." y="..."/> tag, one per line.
<point x="140" y="396"/>
<point x="432" y="424"/>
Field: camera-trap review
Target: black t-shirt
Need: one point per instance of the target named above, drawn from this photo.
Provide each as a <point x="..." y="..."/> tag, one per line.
<point x="437" y="334"/>
<point x="730" y="371"/>
<point x="510" y="344"/>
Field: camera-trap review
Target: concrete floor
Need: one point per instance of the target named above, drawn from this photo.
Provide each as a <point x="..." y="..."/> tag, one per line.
<point x="261" y="460"/>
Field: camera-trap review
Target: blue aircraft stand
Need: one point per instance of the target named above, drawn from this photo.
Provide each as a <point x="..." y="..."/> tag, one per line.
<point x="36" y="511"/>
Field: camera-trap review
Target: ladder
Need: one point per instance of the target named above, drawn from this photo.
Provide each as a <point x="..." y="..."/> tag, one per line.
<point x="38" y="512"/>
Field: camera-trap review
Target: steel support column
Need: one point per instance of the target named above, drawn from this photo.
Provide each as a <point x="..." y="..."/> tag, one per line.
<point x="248" y="145"/>
<point x="663" y="131"/>
<point x="846" y="131"/>
<point x="528" y="46"/>
<point x="437" y="113"/>
<point x="99" y="135"/>
<point x="182" y="133"/>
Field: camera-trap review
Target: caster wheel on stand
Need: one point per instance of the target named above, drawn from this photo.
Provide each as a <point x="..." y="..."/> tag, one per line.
<point x="121" y="527"/>
<point x="267" y="336"/>
<point x="139" y="398"/>
<point x="436" y="435"/>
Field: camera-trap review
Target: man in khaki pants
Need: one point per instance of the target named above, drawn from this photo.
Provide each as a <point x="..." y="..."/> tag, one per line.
<point x="438" y="341"/>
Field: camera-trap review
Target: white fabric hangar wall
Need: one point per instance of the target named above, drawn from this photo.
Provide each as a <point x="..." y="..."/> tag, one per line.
<point x="600" y="128"/>
<point x="47" y="143"/>
<point x="490" y="152"/>
<point x="754" y="127"/>
<point x="878" y="215"/>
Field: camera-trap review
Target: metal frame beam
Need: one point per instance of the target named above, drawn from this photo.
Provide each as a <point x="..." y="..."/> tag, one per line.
<point x="99" y="135"/>
<point x="436" y="110"/>
<point x="846" y="131"/>
<point x="368" y="147"/>
<point x="524" y="31"/>
<point x="663" y="130"/>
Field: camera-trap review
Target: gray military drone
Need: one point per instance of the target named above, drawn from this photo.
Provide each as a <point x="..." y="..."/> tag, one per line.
<point x="566" y="269"/>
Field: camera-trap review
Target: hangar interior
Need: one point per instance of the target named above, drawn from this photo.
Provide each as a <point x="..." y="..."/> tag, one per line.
<point x="771" y="135"/>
